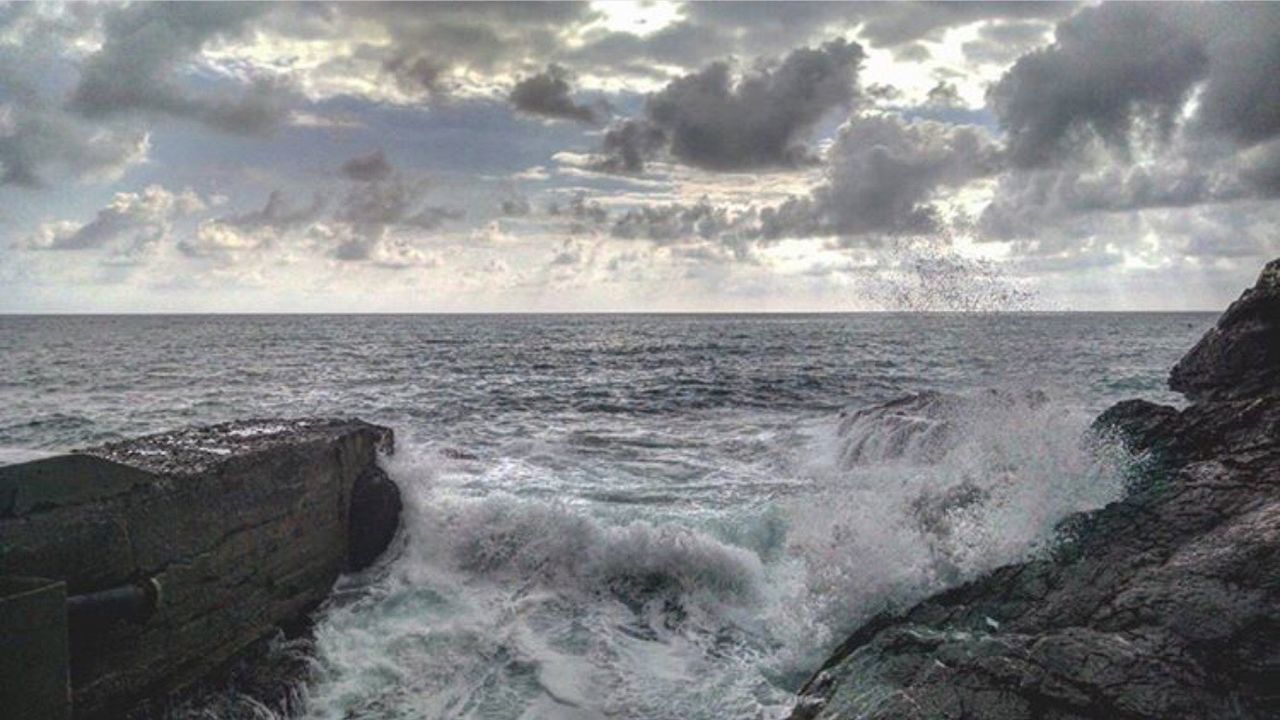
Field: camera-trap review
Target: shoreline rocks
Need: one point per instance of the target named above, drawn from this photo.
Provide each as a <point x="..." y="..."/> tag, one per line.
<point x="223" y="534"/>
<point x="1165" y="604"/>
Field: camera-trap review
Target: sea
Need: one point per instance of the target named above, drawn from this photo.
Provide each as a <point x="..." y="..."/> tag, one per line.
<point x="625" y="516"/>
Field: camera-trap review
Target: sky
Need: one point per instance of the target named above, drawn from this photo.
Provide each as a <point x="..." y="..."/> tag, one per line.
<point x="636" y="156"/>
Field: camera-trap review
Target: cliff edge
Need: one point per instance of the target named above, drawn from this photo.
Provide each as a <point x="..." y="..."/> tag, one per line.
<point x="180" y="550"/>
<point x="1163" y="605"/>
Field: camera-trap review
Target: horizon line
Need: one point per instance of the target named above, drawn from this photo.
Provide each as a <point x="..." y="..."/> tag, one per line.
<point x="586" y="313"/>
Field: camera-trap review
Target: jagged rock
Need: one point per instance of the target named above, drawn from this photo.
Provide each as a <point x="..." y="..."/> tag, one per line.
<point x="1240" y="357"/>
<point x="243" y="527"/>
<point x="1165" y="604"/>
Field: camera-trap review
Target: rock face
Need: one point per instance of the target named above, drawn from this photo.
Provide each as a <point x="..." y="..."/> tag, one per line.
<point x="1240" y="358"/>
<point x="1165" y="604"/>
<point x="235" y="529"/>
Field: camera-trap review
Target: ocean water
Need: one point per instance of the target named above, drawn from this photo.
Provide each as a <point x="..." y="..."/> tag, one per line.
<point x="626" y="516"/>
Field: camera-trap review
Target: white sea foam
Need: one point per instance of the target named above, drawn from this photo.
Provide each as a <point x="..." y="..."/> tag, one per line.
<point x="499" y="605"/>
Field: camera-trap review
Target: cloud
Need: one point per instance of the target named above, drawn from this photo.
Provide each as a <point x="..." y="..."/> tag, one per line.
<point x="1241" y="99"/>
<point x="760" y="120"/>
<point x="39" y="141"/>
<point x="1000" y="42"/>
<point x="416" y="74"/>
<point x="348" y="244"/>
<point x="129" y="226"/>
<point x="548" y="94"/>
<point x="1113" y="70"/>
<point x="367" y="168"/>
<point x="628" y="143"/>
<point x="883" y="173"/>
<point x="516" y="206"/>
<point x="1138" y="107"/>
<point x="1125" y="68"/>
<point x="882" y="177"/>
<point x="137" y="69"/>
<point x="252" y="230"/>
<point x="944" y="95"/>
<point x="370" y="221"/>
<point x="581" y="208"/>
<point x="668" y="224"/>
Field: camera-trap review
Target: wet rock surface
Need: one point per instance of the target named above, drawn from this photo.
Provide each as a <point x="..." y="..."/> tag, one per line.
<point x="242" y="527"/>
<point x="1165" y="604"/>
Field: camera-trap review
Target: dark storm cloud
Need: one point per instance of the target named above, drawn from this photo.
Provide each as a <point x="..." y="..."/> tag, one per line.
<point x="136" y="70"/>
<point x="417" y="73"/>
<point x="367" y="168"/>
<point x="1122" y="77"/>
<point x="883" y="172"/>
<point x="882" y="178"/>
<point x="548" y="94"/>
<point x="1260" y="169"/>
<point x="709" y="120"/>
<point x="1112" y="68"/>
<point x="761" y="120"/>
<point x="39" y="141"/>
<point x="1241" y="98"/>
<point x="628" y="143"/>
<point x="1124" y="67"/>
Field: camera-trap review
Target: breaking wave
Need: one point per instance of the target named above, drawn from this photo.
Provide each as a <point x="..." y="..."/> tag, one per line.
<point x="501" y="605"/>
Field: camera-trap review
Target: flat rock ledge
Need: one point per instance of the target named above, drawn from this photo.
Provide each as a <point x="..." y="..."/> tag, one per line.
<point x="230" y="531"/>
<point x="1163" y="605"/>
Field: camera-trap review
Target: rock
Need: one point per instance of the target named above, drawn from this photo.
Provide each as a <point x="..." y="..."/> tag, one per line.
<point x="1165" y="604"/>
<point x="237" y="529"/>
<point x="1240" y="357"/>
<point x="374" y="517"/>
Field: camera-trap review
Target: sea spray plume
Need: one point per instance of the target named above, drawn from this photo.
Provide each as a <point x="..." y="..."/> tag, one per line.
<point x="925" y="275"/>
<point x="501" y="605"/>
<point x="889" y="528"/>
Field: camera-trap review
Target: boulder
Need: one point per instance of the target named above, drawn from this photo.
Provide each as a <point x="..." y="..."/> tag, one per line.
<point x="223" y="534"/>
<point x="1165" y="604"/>
<point x="1240" y="357"/>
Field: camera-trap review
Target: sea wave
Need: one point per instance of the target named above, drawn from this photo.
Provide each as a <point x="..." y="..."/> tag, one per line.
<point x="497" y="604"/>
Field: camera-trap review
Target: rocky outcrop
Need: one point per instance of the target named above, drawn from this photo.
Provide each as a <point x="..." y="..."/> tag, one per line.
<point x="1165" y="604"/>
<point x="220" y="534"/>
<point x="1240" y="357"/>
